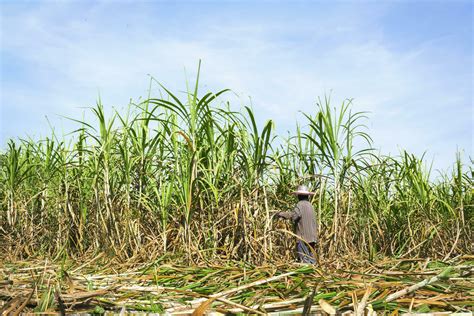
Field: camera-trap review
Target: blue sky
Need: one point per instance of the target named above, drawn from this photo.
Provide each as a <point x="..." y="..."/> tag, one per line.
<point x="409" y="63"/>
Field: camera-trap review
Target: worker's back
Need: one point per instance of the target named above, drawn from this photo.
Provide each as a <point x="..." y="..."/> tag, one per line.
<point x="305" y="221"/>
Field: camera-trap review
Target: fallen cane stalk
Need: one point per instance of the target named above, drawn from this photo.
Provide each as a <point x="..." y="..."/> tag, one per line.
<point x="243" y="307"/>
<point x="199" y="311"/>
<point x="272" y="306"/>
<point x="418" y="285"/>
<point x="18" y="311"/>
<point x="360" y="308"/>
<point x="238" y="289"/>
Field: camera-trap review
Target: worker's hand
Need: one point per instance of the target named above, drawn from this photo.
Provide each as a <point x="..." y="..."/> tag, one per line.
<point x="274" y="214"/>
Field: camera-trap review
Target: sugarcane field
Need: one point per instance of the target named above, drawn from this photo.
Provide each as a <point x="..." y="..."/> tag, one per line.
<point x="235" y="157"/>
<point x="171" y="208"/>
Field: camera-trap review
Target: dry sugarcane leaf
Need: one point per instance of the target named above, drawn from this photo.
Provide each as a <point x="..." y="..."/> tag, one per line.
<point x="382" y="295"/>
<point x="201" y="309"/>
<point x="328" y="308"/>
<point x="243" y="307"/>
<point x="69" y="282"/>
<point x="10" y="306"/>
<point x="344" y="302"/>
<point x="421" y="301"/>
<point x="6" y="282"/>
<point x="83" y="295"/>
<point x="18" y="311"/>
<point x="59" y="300"/>
<point x="338" y="296"/>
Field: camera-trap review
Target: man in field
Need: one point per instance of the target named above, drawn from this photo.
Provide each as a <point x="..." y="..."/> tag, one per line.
<point x="304" y="220"/>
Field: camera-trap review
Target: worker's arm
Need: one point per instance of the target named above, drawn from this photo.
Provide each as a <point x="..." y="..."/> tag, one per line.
<point x="294" y="215"/>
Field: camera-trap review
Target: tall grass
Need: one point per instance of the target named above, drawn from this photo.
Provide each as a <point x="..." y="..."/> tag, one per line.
<point x="187" y="176"/>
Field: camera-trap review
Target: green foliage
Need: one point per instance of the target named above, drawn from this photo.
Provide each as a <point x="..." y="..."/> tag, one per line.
<point x="190" y="176"/>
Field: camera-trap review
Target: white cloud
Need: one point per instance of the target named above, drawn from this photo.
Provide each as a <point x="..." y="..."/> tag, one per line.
<point x="75" y="57"/>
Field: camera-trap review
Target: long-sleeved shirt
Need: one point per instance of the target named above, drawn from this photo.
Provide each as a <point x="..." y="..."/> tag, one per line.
<point x="304" y="219"/>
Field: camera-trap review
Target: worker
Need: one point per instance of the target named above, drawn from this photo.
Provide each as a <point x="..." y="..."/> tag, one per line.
<point x="304" y="221"/>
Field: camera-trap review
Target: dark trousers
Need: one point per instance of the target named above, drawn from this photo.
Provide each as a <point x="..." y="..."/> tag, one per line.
<point x="305" y="254"/>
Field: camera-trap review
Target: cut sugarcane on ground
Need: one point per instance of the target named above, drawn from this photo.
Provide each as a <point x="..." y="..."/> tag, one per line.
<point x="346" y="285"/>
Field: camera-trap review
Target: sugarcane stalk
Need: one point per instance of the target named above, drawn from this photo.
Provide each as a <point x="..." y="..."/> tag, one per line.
<point x="418" y="285"/>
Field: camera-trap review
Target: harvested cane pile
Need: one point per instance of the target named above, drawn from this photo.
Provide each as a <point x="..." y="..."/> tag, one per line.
<point x="388" y="286"/>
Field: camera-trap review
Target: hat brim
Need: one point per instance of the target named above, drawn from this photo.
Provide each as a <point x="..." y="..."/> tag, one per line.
<point x="302" y="193"/>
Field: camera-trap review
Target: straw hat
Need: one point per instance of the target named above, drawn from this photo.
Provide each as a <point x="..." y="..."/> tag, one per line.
<point x="302" y="190"/>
